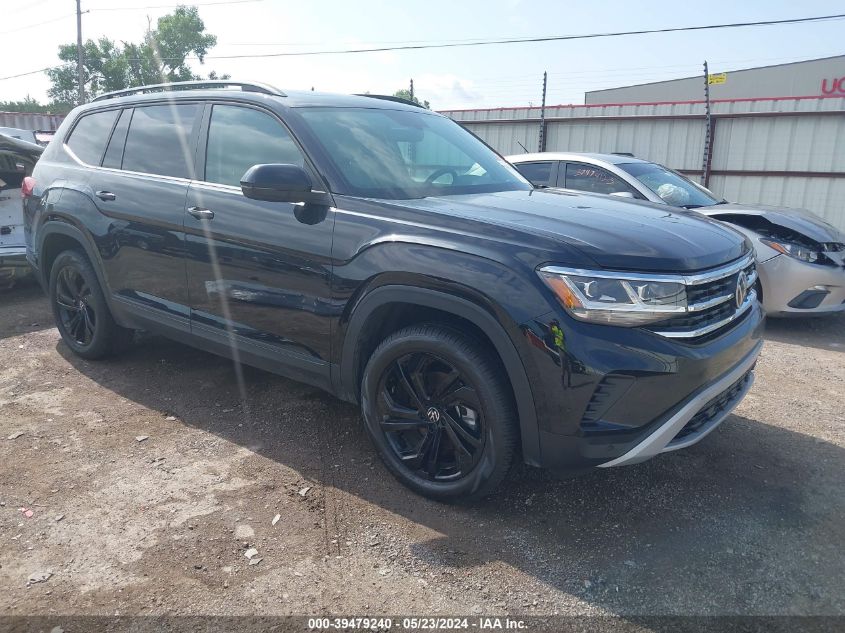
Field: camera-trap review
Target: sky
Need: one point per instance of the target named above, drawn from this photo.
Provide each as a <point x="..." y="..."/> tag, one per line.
<point x="471" y="77"/>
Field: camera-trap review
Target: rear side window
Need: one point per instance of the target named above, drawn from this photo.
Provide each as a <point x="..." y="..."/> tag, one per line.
<point x="89" y="136"/>
<point x="114" y="152"/>
<point x="537" y="173"/>
<point x="239" y="138"/>
<point x="159" y="140"/>
<point x="594" y="180"/>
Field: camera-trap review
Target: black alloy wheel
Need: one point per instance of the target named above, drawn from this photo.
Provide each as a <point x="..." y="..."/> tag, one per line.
<point x="77" y="315"/>
<point x="439" y="408"/>
<point x="80" y="309"/>
<point x="431" y="417"/>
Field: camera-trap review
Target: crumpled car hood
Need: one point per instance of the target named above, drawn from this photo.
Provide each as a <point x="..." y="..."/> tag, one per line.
<point x="798" y="220"/>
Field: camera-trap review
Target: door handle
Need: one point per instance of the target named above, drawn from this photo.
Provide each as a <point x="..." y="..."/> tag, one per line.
<point x="106" y="195"/>
<point x="201" y="214"/>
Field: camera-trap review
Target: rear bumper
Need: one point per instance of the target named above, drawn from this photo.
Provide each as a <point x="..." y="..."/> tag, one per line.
<point x="13" y="264"/>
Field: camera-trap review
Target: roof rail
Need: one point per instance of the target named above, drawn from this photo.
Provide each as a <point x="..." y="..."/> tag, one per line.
<point x="392" y="98"/>
<point x="246" y="86"/>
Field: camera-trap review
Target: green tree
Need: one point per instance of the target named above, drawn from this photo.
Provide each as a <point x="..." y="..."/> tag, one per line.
<point x="28" y="104"/>
<point x="406" y="94"/>
<point x="160" y="58"/>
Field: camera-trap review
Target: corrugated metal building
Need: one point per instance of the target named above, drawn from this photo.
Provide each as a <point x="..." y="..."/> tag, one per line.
<point x="31" y="121"/>
<point x="814" y="77"/>
<point x="781" y="151"/>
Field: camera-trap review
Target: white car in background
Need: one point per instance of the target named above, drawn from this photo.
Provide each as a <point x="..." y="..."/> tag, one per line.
<point x="17" y="159"/>
<point x="800" y="257"/>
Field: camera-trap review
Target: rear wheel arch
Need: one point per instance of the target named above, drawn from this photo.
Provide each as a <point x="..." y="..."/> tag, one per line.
<point x="370" y="322"/>
<point x="56" y="236"/>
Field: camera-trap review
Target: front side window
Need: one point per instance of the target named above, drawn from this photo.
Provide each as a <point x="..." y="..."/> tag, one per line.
<point x="399" y="154"/>
<point x="159" y="140"/>
<point x="593" y="179"/>
<point x="90" y="135"/>
<point x="672" y="188"/>
<point x="540" y="174"/>
<point x="239" y="138"/>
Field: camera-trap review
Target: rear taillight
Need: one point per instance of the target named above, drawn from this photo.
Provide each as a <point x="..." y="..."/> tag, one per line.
<point x="27" y="186"/>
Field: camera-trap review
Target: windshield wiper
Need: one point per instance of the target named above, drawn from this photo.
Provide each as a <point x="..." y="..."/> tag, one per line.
<point x="692" y="206"/>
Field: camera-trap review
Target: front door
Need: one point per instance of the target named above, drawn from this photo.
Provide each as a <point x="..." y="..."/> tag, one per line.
<point x="258" y="272"/>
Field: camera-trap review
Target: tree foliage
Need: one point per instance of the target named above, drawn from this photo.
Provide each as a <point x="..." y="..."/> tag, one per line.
<point x="160" y="58"/>
<point x="30" y="105"/>
<point x="404" y="93"/>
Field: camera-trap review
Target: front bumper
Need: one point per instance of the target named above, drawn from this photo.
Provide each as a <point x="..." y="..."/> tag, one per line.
<point x="787" y="281"/>
<point x="721" y="396"/>
<point x="608" y="395"/>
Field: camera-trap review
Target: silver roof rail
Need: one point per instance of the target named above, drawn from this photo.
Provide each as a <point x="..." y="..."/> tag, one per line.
<point x="246" y="86"/>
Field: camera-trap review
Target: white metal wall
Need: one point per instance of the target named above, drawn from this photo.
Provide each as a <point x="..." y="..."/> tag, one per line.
<point x="30" y="121"/>
<point x="673" y="134"/>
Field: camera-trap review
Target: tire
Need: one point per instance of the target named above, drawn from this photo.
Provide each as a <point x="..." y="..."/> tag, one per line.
<point x="80" y="309"/>
<point x="431" y="390"/>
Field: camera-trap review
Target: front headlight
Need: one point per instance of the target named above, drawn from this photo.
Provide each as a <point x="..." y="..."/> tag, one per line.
<point x="797" y="251"/>
<point x="615" y="299"/>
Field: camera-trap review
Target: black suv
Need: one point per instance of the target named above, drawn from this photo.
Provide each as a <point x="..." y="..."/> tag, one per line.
<point x="385" y="254"/>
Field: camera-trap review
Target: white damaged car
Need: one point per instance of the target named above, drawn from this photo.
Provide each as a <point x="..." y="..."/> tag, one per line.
<point x="800" y="257"/>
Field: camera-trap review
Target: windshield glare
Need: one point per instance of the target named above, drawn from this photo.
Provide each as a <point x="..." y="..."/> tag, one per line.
<point x="397" y="154"/>
<point x="673" y="188"/>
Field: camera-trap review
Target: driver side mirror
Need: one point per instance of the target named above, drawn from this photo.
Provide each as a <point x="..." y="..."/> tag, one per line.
<point x="623" y="194"/>
<point x="281" y="183"/>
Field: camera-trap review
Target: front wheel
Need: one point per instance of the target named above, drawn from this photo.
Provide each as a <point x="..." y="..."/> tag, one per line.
<point x="79" y="307"/>
<point x="440" y="412"/>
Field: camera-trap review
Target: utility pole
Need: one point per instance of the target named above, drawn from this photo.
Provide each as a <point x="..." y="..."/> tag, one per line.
<point x="411" y="91"/>
<point x="708" y="130"/>
<point x="79" y="52"/>
<point x="542" y="143"/>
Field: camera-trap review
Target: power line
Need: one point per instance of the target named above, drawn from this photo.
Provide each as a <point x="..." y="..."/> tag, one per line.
<point x="524" y="40"/>
<point x="41" y="23"/>
<point x="475" y="43"/>
<point x="173" y="6"/>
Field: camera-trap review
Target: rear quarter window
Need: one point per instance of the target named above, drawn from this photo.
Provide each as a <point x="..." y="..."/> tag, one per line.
<point x="159" y="140"/>
<point x="90" y="135"/>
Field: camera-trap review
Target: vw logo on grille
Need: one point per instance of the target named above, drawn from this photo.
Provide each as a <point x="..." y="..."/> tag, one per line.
<point x="741" y="289"/>
<point x="433" y="415"/>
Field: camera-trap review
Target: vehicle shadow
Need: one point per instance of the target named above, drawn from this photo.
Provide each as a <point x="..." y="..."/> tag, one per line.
<point x="25" y="309"/>
<point x="737" y="524"/>
<point x="827" y="332"/>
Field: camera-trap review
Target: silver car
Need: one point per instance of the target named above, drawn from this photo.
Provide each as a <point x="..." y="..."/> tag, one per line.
<point x="800" y="257"/>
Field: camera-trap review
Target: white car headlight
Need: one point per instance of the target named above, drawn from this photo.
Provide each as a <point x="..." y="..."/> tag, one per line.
<point x="615" y="298"/>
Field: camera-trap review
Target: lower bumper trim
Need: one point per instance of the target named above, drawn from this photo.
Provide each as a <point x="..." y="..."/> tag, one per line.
<point x="661" y="439"/>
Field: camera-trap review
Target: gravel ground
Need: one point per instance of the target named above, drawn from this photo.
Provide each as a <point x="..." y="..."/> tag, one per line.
<point x="149" y="478"/>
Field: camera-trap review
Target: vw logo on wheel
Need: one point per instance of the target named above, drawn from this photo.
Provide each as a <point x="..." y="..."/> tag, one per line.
<point x="433" y="415"/>
<point x="741" y="289"/>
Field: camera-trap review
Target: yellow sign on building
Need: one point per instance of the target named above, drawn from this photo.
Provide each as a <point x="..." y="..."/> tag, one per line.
<point x="717" y="78"/>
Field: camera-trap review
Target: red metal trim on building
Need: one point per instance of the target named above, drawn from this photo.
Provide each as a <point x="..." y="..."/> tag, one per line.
<point x="650" y="103"/>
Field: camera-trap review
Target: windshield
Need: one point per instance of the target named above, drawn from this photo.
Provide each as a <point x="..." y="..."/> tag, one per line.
<point x="397" y="154"/>
<point x="673" y="188"/>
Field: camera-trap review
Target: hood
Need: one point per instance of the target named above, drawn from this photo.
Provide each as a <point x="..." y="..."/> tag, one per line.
<point x="797" y="220"/>
<point x="615" y="233"/>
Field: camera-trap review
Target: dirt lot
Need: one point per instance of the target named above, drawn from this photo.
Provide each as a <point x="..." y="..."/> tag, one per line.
<point x="750" y="521"/>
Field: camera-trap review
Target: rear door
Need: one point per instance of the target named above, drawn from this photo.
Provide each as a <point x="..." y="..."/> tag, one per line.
<point x="539" y="173"/>
<point x="141" y="188"/>
<point x="258" y="272"/>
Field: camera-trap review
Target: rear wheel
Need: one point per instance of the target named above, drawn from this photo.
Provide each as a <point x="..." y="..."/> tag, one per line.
<point x="79" y="307"/>
<point x="438" y="408"/>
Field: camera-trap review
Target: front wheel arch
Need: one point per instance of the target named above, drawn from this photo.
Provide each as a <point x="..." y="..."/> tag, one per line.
<point x="348" y="378"/>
